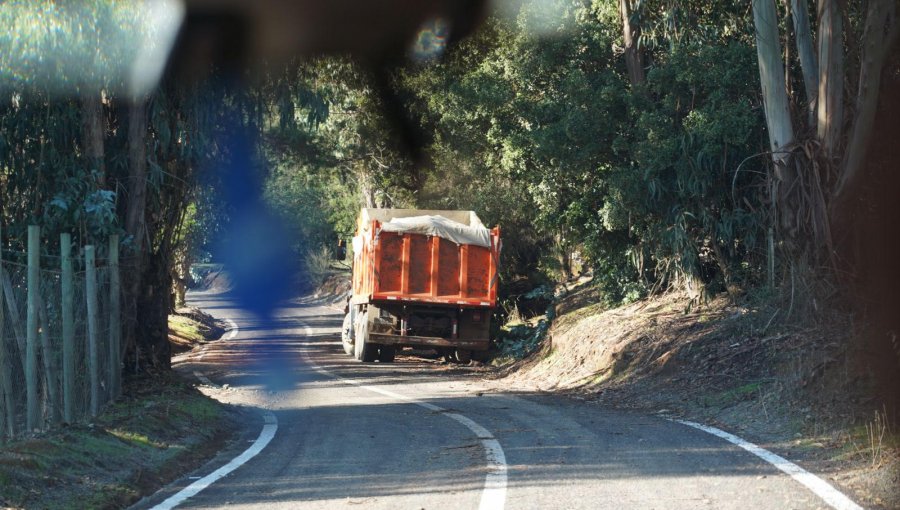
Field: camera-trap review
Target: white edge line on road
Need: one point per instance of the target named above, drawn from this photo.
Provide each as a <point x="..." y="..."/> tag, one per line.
<point x="231" y="332"/>
<point x="821" y="488"/>
<point x="205" y="380"/>
<point x="493" y="497"/>
<point x="265" y="436"/>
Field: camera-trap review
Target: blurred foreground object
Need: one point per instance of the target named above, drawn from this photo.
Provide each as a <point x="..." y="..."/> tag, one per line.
<point x="279" y="30"/>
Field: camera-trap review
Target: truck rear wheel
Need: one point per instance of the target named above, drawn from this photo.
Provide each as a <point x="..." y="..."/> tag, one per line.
<point x="362" y="349"/>
<point x="346" y="341"/>
<point x="463" y="356"/>
<point x="386" y="353"/>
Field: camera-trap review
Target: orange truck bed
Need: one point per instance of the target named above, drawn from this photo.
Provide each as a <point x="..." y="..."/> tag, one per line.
<point x="419" y="268"/>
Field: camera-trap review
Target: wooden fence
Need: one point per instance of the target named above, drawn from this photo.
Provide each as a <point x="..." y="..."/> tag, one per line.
<point x="61" y="361"/>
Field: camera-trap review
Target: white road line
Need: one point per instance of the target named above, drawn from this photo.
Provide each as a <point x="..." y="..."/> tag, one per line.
<point x="821" y="488"/>
<point x="265" y="436"/>
<point x="231" y="332"/>
<point x="205" y="380"/>
<point x="493" y="497"/>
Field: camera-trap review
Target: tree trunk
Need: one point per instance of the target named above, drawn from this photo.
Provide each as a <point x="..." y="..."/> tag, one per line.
<point x="137" y="174"/>
<point x="881" y="34"/>
<point x="778" y="116"/>
<point x="135" y="226"/>
<point x="631" y="31"/>
<point x="808" y="63"/>
<point x="366" y="187"/>
<point x="771" y="77"/>
<point x="93" y="134"/>
<point x="830" y="104"/>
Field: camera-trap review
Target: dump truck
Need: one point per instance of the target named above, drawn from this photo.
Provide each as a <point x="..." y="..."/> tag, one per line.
<point x="424" y="279"/>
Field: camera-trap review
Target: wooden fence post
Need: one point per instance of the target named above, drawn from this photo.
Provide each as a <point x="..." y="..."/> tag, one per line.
<point x="68" y="327"/>
<point x="115" y="326"/>
<point x="93" y="347"/>
<point x="32" y="413"/>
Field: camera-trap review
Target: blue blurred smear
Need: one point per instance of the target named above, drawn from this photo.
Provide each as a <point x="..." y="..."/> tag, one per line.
<point x="256" y="246"/>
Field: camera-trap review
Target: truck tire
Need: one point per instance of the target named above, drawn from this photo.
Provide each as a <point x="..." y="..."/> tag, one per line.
<point x="346" y="340"/>
<point x="386" y="353"/>
<point x="362" y="349"/>
<point x="463" y="356"/>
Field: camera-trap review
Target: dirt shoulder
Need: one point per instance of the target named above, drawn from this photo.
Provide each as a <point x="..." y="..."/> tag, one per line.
<point x="809" y="392"/>
<point x="161" y="429"/>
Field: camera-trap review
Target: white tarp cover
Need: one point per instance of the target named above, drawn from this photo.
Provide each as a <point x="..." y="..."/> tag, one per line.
<point x="463" y="228"/>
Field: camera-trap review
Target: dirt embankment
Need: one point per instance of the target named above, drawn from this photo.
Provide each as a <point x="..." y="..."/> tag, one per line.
<point x="190" y="327"/>
<point x="807" y="391"/>
<point x="334" y="290"/>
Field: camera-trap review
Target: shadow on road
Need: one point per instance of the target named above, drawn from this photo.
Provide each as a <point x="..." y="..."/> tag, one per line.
<point x="356" y="445"/>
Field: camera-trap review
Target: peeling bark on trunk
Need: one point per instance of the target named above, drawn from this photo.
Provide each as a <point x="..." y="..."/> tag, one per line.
<point x="881" y="34"/>
<point x="830" y="104"/>
<point x="631" y="31"/>
<point x="771" y="77"/>
<point x="778" y="119"/>
<point x="806" y="52"/>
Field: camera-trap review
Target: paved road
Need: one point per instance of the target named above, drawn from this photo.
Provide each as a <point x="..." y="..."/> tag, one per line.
<point x="346" y="437"/>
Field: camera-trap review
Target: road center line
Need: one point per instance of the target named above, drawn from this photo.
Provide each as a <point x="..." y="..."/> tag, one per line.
<point x="493" y="497"/>
<point x="268" y="431"/>
<point x="819" y="487"/>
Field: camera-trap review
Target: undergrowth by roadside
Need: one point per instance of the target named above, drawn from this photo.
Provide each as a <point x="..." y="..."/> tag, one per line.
<point x="521" y="336"/>
<point x="163" y="427"/>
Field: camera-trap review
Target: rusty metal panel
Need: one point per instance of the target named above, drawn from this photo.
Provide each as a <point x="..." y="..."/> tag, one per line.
<point x="448" y="269"/>
<point x="419" y="265"/>
<point x="390" y="271"/>
<point x="478" y="271"/>
<point x="419" y="268"/>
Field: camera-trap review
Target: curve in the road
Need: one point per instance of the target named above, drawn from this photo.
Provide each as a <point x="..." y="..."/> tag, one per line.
<point x="266" y="435"/>
<point x="493" y="496"/>
<point x="232" y="331"/>
<point x="819" y="487"/>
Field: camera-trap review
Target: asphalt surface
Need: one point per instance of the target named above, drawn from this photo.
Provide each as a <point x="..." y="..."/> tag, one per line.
<point x="339" y="444"/>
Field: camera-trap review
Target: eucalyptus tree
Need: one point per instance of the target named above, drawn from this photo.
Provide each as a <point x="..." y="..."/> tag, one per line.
<point x="830" y="168"/>
<point x="88" y="147"/>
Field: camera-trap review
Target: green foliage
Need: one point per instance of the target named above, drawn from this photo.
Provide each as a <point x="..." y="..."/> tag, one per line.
<point x="532" y="123"/>
<point x="520" y="340"/>
<point x="696" y="123"/>
<point x="544" y="136"/>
